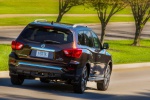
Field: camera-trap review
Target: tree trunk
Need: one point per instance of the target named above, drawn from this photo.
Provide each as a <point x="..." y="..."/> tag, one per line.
<point x="59" y="18"/>
<point x="103" y="32"/>
<point x="137" y="36"/>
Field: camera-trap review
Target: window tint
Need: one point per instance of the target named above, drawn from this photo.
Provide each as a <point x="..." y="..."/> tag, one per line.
<point x="81" y="38"/>
<point x="88" y="39"/>
<point x="39" y="34"/>
<point x="96" y="40"/>
<point x="85" y="38"/>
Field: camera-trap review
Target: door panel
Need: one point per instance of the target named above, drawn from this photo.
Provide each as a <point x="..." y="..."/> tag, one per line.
<point x="99" y="65"/>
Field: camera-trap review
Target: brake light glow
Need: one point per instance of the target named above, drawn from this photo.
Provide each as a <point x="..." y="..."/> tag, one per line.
<point x="48" y="27"/>
<point x="75" y="53"/>
<point x="16" y="45"/>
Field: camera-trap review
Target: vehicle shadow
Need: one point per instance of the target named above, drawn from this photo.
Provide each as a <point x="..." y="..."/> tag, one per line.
<point x="62" y="90"/>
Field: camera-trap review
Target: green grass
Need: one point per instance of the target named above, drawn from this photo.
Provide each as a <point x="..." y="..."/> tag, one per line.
<point x="28" y="6"/>
<point x="121" y="50"/>
<point x="4" y="52"/>
<point x="50" y="7"/>
<point x="15" y="21"/>
<point x="42" y="7"/>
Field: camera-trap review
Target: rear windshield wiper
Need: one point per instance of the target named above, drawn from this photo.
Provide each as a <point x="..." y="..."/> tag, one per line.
<point x="51" y="41"/>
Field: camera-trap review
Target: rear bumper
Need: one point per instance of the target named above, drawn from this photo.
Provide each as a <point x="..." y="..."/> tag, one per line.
<point x="41" y="71"/>
<point x="41" y="68"/>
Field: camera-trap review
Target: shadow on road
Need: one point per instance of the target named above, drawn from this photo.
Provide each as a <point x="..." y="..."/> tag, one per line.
<point x="6" y="39"/>
<point x="119" y="37"/>
<point x="62" y="90"/>
<point x="19" y="97"/>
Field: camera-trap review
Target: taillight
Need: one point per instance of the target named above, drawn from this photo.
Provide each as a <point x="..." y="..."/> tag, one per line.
<point x="16" y="45"/>
<point x="75" y="53"/>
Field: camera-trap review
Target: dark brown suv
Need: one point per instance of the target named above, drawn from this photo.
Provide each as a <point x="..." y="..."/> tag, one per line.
<point x="58" y="52"/>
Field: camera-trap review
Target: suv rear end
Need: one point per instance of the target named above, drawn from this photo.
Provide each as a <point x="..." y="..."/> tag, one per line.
<point x="52" y="52"/>
<point x="46" y="52"/>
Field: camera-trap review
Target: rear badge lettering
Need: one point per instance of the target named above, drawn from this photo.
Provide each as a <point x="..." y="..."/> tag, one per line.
<point x="43" y="46"/>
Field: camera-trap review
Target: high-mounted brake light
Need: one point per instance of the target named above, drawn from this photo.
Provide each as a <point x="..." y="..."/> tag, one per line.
<point x="48" y="27"/>
<point x="75" y="53"/>
<point x="16" y="45"/>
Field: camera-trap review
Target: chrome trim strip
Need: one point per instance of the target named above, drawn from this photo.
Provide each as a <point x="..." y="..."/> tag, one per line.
<point x="42" y="49"/>
<point x="41" y="66"/>
<point x="95" y="78"/>
<point x="74" y="62"/>
<point x="22" y="55"/>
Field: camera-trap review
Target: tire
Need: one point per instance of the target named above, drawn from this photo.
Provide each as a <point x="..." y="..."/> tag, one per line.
<point x="17" y="80"/>
<point x="103" y="85"/>
<point x="81" y="86"/>
<point x="44" y="80"/>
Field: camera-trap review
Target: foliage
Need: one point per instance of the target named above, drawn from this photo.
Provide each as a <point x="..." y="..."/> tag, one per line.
<point x="105" y="10"/>
<point x="141" y="13"/>
<point x="65" y="6"/>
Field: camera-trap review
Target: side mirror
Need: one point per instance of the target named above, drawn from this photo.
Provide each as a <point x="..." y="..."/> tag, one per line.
<point x="105" y="46"/>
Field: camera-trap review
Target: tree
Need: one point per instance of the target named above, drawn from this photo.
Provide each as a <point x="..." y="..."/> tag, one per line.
<point x="141" y="13"/>
<point x="65" y="6"/>
<point x="105" y="10"/>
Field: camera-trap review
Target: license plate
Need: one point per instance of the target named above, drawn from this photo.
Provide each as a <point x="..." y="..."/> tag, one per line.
<point x="42" y="54"/>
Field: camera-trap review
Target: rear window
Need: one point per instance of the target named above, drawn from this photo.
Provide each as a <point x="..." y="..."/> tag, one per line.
<point x="41" y="34"/>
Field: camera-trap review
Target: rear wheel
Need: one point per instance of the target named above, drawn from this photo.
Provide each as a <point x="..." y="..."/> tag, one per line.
<point x="17" y="80"/>
<point x="103" y="85"/>
<point x="81" y="86"/>
<point x="44" y="80"/>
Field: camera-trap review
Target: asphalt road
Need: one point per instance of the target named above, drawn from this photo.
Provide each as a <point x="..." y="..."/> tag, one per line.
<point x="130" y="84"/>
<point x="114" y="31"/>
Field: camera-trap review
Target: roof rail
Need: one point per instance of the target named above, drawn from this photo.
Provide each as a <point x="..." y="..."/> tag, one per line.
<point x="78" y="25"/>
<point x="40" y="20"/>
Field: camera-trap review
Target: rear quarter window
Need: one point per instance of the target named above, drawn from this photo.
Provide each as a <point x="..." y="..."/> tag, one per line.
<point x="85" y="38"/>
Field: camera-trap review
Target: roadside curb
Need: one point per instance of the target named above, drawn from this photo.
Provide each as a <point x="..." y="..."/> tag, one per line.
<point x="4" y="74"/>
<point x="131" y="66"/>
<point x="11" y="27"/>
<point x="86" y="24"/>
